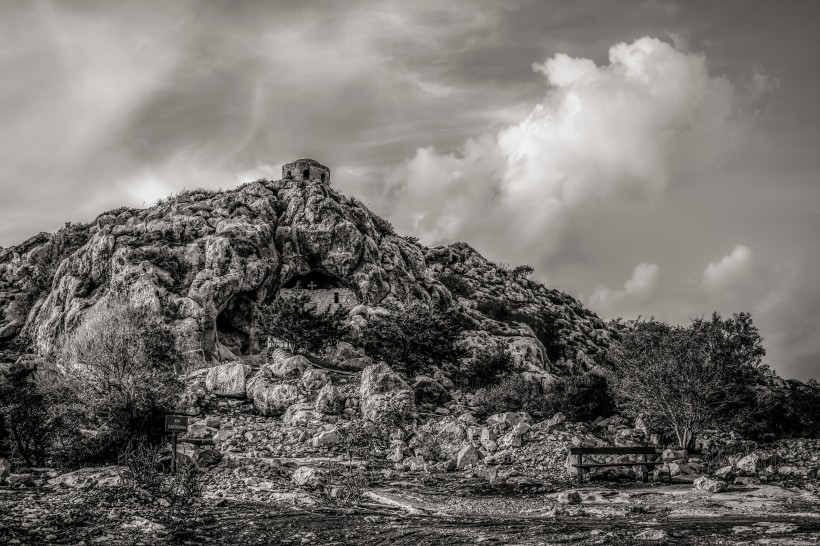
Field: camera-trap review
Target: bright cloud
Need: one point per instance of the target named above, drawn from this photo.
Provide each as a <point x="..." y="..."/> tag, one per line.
<point x="601" y="134"/>
<point x="640" y="287"/>
<point x="732" y="271"/>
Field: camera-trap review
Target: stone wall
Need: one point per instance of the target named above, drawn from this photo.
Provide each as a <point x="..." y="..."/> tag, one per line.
<point x="327" y="299"/>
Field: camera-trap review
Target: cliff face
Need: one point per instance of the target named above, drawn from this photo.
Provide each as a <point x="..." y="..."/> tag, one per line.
<point x="202" y="260"/>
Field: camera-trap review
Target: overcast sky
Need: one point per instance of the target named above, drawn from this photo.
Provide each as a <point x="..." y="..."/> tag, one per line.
<point x="648" y="157"/>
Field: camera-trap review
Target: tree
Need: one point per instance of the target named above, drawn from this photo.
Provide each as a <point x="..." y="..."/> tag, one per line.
<point x="678" y="375"/>
<point x="414" y="340"/>
<point x="295" y="320"/>
<point x="120" y="365"/>
<point x="24" y="409"/>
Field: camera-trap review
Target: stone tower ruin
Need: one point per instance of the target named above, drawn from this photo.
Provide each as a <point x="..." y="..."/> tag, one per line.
<point x="306" y="169"/>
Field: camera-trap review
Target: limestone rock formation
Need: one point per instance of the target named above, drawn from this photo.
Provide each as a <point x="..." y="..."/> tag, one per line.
<point x="205" y="260"/>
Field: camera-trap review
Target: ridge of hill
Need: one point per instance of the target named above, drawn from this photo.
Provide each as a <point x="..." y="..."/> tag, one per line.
<point x="203" y="259"/>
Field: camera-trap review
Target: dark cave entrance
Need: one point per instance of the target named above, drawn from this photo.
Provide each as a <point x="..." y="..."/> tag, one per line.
<point x="234" y="325"/>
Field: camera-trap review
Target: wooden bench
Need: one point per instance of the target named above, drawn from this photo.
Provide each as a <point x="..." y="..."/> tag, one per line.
<point x="577" y="453"/>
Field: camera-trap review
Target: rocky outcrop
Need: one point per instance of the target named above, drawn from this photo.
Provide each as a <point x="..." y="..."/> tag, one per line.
<point x="382" y="392"/>
<point x="205" y="260"/>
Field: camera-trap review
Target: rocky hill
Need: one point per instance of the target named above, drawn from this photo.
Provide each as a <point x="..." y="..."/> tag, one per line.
<point x="202" y="260"/>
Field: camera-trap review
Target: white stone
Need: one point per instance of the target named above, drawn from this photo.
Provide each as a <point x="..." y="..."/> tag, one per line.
<point x="226" y="379"/>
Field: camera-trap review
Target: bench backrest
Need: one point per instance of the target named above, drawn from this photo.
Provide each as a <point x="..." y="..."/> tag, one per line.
<point x="631" y="450"/>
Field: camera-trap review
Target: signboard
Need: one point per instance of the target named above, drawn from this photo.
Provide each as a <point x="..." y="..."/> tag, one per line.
<point x="176" y="423"/>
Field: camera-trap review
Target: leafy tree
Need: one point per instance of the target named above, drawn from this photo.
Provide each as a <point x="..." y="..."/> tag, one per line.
<point x="484" y="369"/>
<point x="25" y="411"/>
<point x="295" y="320"/>
<point x="120" y="365"/>
<point x="690" y="377"/>
<point x="414" y="340"/>
<point x="522" y="271"/>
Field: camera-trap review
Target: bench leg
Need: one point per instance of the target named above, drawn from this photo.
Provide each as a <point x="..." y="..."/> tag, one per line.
<point x="579" y="471"/>
<point x="645" y="474"/>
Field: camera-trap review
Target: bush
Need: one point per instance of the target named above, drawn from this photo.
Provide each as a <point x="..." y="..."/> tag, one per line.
<point x="295" y="320"/>
<point x="413" y="341"/>
<point x="580" y="398"/>
<point x="543" y="324"/>
<point x="515" y="393"/>
<point x="457" y="285"/>
<point x="120" y="365"/>
<point x="146" y="467"/>
<point x="486" y="368"/>
<point x="24" y="409"/>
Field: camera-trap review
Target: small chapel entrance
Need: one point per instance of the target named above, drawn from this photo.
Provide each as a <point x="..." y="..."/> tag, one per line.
<point x="327" y="292"/>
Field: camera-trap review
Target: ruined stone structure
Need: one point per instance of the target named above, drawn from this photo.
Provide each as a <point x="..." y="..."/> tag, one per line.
<point x="328" y="293"/>
<point x="306" y="169"/>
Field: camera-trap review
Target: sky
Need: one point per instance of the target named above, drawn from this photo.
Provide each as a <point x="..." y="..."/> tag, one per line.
<point x="649" y="157"/>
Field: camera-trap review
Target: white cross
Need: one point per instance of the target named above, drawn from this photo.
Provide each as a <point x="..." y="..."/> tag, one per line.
<point x="311" y="285"/>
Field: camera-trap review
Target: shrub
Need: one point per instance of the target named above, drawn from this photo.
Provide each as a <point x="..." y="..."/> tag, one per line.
<point x="522" y="271"/>
<point x="580" y="398"/>
<point x="456" y="285"/>
<point x="542" y="322"/>
<point x="295" y="320"/>
<point x="120" y="365"/>
<point x="145" y="467"/>
<point x="486" y="368"/>
<point x="414" y="340"/>
<point x="515" y="393"/>
<point x="25" y="412"/>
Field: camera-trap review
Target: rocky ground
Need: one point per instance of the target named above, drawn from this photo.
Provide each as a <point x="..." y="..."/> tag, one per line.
<point x="294" y="452"/>
<point x="439" y="508"/>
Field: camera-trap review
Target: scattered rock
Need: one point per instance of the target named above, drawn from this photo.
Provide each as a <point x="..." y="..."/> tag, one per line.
<point x="226" y="379"/>
<point x="276" y="399"/>
<point x="309" y="477"/>
<point x="710" y="485"/>
<point x="467" y="456"/>
<point x="569" y="497"/>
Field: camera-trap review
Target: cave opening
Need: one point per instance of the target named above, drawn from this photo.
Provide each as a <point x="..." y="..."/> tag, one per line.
<point x="235" y="326"/>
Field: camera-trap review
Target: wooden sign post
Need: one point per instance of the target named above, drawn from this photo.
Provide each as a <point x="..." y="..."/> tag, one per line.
<point x="175" y="424"/>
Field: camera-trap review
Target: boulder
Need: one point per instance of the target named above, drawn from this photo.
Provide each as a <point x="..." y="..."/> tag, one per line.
<point x="467" y="455"/>
<point x="207" y="457"/>
<point x="725" y="473"/>
<point x="569" y="497"/>
<point x="750" y="463"/>
<point x="291" y="367"/>
<point x="329" y="400"/>
<point x="314" y="379"/>
<point x="345" y="351"/>
<point x="308" y="477"/>
<point x="5" y="469"/>
<point x="429" y="391"/>
<point x="326" y="438"/>
<point x="675" y="455"/>
<point x="398" y="404"/>
<point x="226" y="379"/>
<point x="379" y="379"/>
<point x="299" y="415"/>
<point x="556" y="422"/>
<point x="710" y="485"/>
<point x="503" y="421"/>
<point x="275" y="400"/>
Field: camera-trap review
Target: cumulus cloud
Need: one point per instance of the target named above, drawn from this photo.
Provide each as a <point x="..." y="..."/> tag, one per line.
<point x="621" y="131"/>
<point x="640" y="287"/>
<point x="732" y="271"/>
